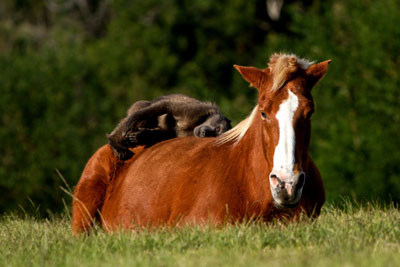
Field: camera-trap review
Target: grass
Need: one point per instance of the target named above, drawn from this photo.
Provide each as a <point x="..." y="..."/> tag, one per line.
<point x="350" y="236"/>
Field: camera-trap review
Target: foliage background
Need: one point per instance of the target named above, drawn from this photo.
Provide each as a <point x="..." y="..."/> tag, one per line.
<point x="70" y="69"/>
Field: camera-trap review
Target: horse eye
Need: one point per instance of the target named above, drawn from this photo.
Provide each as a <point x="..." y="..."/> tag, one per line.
<point x="263" y="115"/>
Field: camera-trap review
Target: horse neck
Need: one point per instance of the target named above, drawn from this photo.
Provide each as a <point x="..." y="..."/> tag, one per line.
<point x="251" y="164"/>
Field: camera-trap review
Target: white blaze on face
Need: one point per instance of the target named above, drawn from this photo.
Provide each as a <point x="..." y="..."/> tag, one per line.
<point x="284" y="157"/>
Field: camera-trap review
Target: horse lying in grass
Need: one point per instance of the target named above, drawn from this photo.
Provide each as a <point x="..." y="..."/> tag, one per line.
<point x="259" y="169"/>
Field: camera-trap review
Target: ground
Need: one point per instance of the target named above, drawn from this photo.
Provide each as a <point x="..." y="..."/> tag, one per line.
<point x="353" y="235"/>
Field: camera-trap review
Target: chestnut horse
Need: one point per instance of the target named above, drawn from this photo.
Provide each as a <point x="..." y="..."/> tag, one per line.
<point x="259" y="169"/>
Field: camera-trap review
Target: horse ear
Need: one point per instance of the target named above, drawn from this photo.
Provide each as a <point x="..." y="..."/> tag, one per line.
<point x="253" y="75"/>
<point x="316" y="71"/>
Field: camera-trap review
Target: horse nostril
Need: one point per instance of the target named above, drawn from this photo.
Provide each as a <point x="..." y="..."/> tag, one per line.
<point x="276" y="182"/>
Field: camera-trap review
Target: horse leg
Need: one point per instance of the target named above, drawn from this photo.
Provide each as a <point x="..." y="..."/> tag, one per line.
<point x="313" y="192"/>
<point x="88" y="199"/>
<point x="91" y="189"/>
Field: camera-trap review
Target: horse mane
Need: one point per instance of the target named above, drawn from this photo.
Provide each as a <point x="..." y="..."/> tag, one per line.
<point x="236" y="133"/>
<point x="282" y="66"/>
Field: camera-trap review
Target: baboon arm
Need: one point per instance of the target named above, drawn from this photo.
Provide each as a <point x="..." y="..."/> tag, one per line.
<point x="152" y="111"/>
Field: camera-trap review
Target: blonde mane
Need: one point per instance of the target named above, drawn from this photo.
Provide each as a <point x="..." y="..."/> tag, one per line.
<point x="236" y="133"/>
<point x="281" y="66"/>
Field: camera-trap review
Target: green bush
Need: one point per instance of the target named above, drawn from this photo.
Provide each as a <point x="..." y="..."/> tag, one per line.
<point x="63" y="89"/>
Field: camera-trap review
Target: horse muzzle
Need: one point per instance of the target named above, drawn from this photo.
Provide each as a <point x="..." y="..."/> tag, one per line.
<point x="286" y="191"/>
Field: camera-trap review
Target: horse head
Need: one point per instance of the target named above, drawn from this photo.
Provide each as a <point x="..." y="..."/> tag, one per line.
<point x="284" y="110"/>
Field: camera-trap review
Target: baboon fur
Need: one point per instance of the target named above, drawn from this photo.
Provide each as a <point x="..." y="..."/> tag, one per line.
<point x="166" y="117"/>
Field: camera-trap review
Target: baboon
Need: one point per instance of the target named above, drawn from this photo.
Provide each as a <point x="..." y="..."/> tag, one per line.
<point x="166" y="117"/>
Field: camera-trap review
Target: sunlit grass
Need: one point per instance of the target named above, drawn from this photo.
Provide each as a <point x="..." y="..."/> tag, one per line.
<point x="351" y="236"/>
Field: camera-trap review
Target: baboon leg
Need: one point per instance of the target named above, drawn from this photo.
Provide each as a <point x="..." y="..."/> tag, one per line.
<point x="120" y="144"/>
<point x="91" y="189"/>
<point x="118" y="140"/>
<point x="151" y="112"/>
<point x="138" y="105"/>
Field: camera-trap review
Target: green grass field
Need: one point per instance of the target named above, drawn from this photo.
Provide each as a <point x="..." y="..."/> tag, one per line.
<point x="352" y="236"/>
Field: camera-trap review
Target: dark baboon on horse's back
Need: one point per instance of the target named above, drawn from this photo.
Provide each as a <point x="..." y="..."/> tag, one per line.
<point x="166" y="117"/>
<point x="259" y="169"/>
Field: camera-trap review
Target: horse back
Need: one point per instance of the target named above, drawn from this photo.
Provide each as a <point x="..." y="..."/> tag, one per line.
<point x="181" y="179"/>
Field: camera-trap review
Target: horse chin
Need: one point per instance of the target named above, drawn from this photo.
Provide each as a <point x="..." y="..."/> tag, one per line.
<point x="291" y="203"/>
<point x="283" y="200"/>
<point x="286" y="205"/>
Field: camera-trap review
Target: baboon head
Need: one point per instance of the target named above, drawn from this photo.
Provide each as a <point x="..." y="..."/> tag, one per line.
<point x="215" y="125"/>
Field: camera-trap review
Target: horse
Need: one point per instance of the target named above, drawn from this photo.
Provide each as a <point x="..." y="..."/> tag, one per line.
<point x="260" y="169"/>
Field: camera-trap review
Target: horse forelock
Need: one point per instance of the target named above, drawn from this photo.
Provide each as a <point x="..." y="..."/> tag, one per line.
<point x="282" y="66"/>
<point x="236" y="133"/>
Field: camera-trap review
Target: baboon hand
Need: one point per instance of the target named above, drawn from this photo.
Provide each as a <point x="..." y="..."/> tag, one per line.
<point x="132" y="138"/>
<point x="204" y="131"/>
<point x="124" y="154"/>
